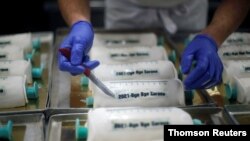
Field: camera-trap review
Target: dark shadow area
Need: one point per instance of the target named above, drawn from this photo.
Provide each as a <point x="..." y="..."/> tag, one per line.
<point x="22" y="16"/>
<point x="43" y="15"/>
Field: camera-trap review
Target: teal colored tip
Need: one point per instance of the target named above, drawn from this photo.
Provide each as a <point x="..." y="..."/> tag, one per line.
<point x="186" y="42"/>
<point x="89" y="101"/>
<point x="197" y="122"/>
<point x="29" y="56"/>
<point x="179" y="69"/>
<point x="160" y="41"/>
<point x="84" y="81"/>
<point x="172" y="56"/>
<point x="36" y="43"/>
<point x="231" y="93"/>
<point x="32" y="92"/>
<point x="80" y="131"/>
<point x="37" y="72"/>
<point x="180" y="76"/>
<point x="6" y="131"/>
<point x="189" y="94"/>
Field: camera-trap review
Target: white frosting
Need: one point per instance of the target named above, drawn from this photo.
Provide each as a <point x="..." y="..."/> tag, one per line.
<point x="16" y="68"/>
<point x="12" y="91"/>
<point x="237" y="38"/>
<point x="235" y="68"/>
<point x="11" y="52"/>
<point x="243" y="89"/>
<point x="127" y="54"/>
<point x="153" y="70"/>
<point x="153" y="93"/>
<point x="22" y="40"/>
<point x="109" y="40"/>
<point x="132" y="124"/>
<point x="234" y="52"/>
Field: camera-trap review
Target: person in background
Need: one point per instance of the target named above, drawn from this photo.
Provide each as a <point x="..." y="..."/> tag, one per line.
<point x="125" y="14"/>
<point x="203" y="48"/>
<point x="173" y="15"/>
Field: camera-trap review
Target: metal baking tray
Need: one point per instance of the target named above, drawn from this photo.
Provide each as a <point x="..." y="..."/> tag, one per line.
<point x="55" y="111"/>
<point x="66" y="91"/>
<point x="238" y="114"/>
<point x="26" y="127"/>
<point x="46" y="39"/>
<point x="61" y="127"/>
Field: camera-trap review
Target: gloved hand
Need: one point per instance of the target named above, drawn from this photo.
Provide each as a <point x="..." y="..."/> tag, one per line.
<point x="207" y="71"/>
<point x="79" y="41"/>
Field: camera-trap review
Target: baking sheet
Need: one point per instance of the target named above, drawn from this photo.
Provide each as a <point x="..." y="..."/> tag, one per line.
<point x="45" y="51"/>
<point x="238" y="114"/>
<point x="26" y="127"/>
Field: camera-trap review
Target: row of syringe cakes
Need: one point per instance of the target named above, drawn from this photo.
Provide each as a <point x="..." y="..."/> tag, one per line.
<point x="136" y="70"/>
<point x="16" y="72"/>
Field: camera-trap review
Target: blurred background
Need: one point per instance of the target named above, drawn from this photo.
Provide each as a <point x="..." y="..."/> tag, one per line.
<point x="43" y="15"/>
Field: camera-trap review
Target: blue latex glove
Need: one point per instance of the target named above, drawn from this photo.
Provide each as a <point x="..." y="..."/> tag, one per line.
<point x="79" y="40"/>
<point x="207" y="71"/>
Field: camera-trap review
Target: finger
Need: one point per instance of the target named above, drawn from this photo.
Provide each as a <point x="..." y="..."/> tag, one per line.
<point x="213" y="83"/>
<point x="91" y="64"/>
<point x="66" y="43"/>
<point x="86" y="58"/>
<point x="200" y="82"/>
<point x="197" y="72"/>
<point x="186" y="62"/>
<point x="210" y="85"/>
<point x="212" y="67"/>
<point x="77" y="54"/>
<point x="187" y="58"/>
<point x="66" y="66"/>
<point x="212" y="71"/>
<point x="74" y="74"/>
<point x="61" y="59"/>
<point x="219" y="70"/>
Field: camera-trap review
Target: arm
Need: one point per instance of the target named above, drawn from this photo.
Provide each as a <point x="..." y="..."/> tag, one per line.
<point x="227" y="19"/>
<point x="203" y="48"/>
<point x="80" y="38"/>
<point x="74" y="10"/>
